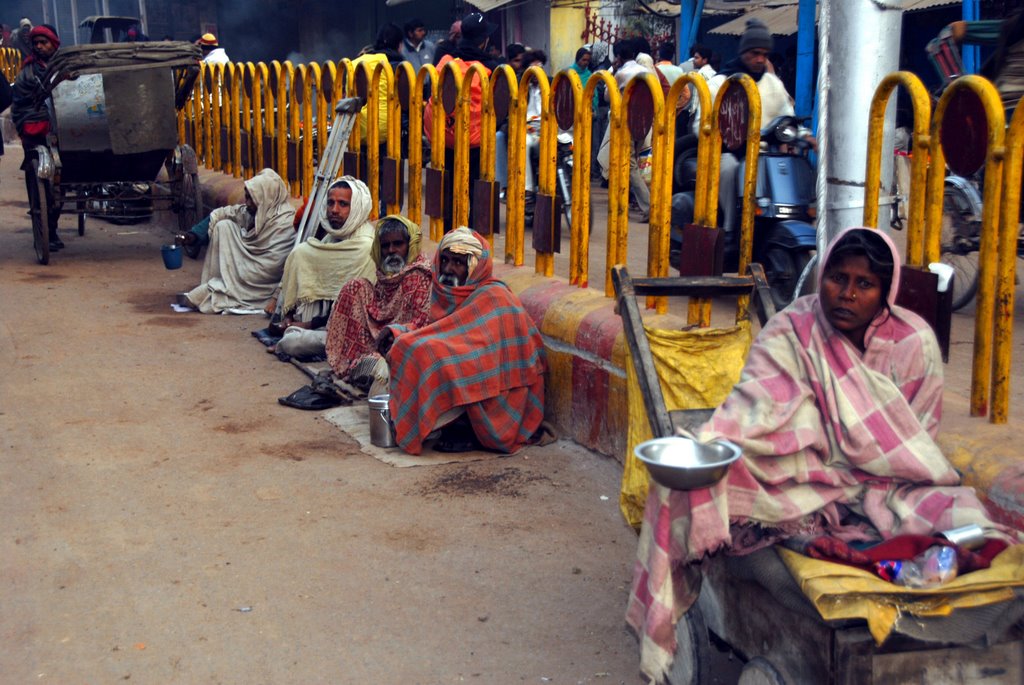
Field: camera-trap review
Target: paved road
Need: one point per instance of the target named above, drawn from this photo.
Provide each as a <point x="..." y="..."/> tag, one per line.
<point x="151" y="487"/>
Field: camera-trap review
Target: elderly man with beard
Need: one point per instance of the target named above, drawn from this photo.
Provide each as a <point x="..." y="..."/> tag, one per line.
<point x="475" y="371"/>
<point x="401" y="295"/>
<point x="316" y="269"/>
<point x="248" y="246"/>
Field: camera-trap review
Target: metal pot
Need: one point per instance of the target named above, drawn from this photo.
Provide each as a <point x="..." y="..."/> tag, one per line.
<point x="382" y="431"/>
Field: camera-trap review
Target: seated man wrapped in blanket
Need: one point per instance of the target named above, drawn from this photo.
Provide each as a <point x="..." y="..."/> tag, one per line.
<point x="248" y="245"/>
<point x="401" y="295"/>
<point x="317" y="269"/>
<point x="836" y="412"/>
<point x="475" y="371"/>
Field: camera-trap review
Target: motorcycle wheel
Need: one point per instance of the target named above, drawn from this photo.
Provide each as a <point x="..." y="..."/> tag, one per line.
<point x="960" y="242"/>
<point x="783" y="269"/>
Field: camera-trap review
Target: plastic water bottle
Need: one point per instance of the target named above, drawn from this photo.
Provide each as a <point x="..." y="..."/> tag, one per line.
<point x="931" y="568"/>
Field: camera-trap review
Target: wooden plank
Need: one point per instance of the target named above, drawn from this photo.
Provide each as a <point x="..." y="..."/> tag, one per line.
<point x="485" y="219"/>
<point x="547" y="224"/>
<point x="392" y="181"/>
<point x="695" y="286"/>
<point x="640" y="350"/>
<point x="764" y="303"/>
<point x="919" y="292"/>
<point x="293" y="160"/>
<point x="703" y="251"/>
<point x="433" y="193"/>
<point x="352" y="164"/>
<point x="997" y="665"/>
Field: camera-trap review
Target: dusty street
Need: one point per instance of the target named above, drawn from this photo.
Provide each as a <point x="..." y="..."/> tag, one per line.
<point x="166" y="521"/>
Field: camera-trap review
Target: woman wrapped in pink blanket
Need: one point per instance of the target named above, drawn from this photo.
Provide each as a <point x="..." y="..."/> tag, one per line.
<point x="836" y="412"/>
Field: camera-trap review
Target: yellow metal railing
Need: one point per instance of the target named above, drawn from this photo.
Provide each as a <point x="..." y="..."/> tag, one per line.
<point x="916" y="238"/>
<point x="1009" y="218"/>
<point x="988" y="258"/>
<point x="10" y="63"/>
<point x="993" y="318"/>
<point x="270" y="108"/>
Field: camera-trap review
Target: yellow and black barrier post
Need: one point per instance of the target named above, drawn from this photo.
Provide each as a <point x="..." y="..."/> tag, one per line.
<point x="916" y="239"/>
<point x="505" y="90"/>
<point x="616" y="207"/>
<point x="970" y="97"/>
<point x="1009" y="235"/>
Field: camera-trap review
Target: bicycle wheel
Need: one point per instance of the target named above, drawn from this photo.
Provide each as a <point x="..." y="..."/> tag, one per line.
<point x="40" y="218"/>
<point x="960" y="241"/>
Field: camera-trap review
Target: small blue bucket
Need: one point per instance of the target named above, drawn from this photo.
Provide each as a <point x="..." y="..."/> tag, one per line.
<point x="171" y="255"/>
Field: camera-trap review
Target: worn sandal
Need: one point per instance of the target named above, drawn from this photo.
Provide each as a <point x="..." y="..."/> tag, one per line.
<point x="306" y="398"/>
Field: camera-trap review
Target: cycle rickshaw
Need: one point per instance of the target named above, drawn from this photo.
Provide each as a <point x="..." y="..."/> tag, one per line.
<point x="113" y="151"/>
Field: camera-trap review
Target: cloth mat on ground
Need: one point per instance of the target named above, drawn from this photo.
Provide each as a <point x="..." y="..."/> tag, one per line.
<point x="355" y="421"/>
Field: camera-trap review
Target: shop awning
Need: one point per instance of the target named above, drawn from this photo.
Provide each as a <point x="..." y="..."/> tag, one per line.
<point x="781" y="18"/>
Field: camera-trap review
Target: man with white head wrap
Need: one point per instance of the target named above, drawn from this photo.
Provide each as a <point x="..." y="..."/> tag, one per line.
<point x="475" y="370"/>
<point x="317" y="268"/>
<point x="248" y="246"/>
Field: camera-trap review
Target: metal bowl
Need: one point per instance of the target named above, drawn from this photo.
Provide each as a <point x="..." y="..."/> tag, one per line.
<point x="680" y="463"/>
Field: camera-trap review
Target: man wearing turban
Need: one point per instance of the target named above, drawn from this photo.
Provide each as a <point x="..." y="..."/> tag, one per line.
<point x="475" y="371"/>
<point x="401" y="295"/>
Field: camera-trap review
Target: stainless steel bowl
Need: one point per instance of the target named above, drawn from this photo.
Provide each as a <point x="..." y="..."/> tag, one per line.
<point x="683" y="464"/>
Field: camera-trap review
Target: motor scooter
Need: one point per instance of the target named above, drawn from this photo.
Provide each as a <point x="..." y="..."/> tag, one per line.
<point x="563" y="180"/>
<point x="785" y="205"/>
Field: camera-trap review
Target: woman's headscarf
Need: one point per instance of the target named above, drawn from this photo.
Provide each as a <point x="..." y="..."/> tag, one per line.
<point x="358" y="213"/>
<point x="411" y="228"/>
<point x="894" y="287"/>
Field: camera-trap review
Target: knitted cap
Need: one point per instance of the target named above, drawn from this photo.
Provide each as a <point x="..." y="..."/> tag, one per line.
<point x="756" y="36"/>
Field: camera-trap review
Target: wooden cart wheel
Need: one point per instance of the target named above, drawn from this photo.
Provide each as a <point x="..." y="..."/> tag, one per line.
<point x="759" y="671"/>
<point x="40" y="219"/>
<point x="189" y="203"/>
<point x="190" y="195"/>
<point x="693" y="650"/>
<point x="80" y="208"/>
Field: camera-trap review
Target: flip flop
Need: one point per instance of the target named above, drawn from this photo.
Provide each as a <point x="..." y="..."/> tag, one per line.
<point x="305" y="398"/>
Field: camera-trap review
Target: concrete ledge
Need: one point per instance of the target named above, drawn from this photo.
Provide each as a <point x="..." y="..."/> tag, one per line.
<point x="586" y="387"/>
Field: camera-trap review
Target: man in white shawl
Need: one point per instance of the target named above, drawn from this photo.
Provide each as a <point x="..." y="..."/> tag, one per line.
<point x="248" y="246"/>
<point x="317" y="268"/>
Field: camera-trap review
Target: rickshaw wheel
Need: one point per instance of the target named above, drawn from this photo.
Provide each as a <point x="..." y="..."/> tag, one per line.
<point x="40" y="219"/>
<point x="693" y="649"/>
<point x="189" y="203"/>
<point x="80" y="208"/>
<point x="760" y="671"/>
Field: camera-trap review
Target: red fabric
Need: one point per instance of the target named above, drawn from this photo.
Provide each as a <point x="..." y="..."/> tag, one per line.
<point x="299" y="212"/>
<point x="482" y="353"/>
<point x="35" y="128"/>
<point x="901" y="547"/>
<point x="475" y="106"/>
<point x="363" y="310"/>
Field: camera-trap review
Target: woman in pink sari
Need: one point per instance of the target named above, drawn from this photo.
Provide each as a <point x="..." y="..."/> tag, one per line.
<point x="836" y="412"/>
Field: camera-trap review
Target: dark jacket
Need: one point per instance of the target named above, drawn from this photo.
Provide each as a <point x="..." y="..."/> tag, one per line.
<point x="471" y="53"/>
<point x="27" y="105"/>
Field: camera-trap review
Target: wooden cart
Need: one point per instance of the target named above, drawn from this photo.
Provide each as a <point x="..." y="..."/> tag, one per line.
<point x="752" y="604"/>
